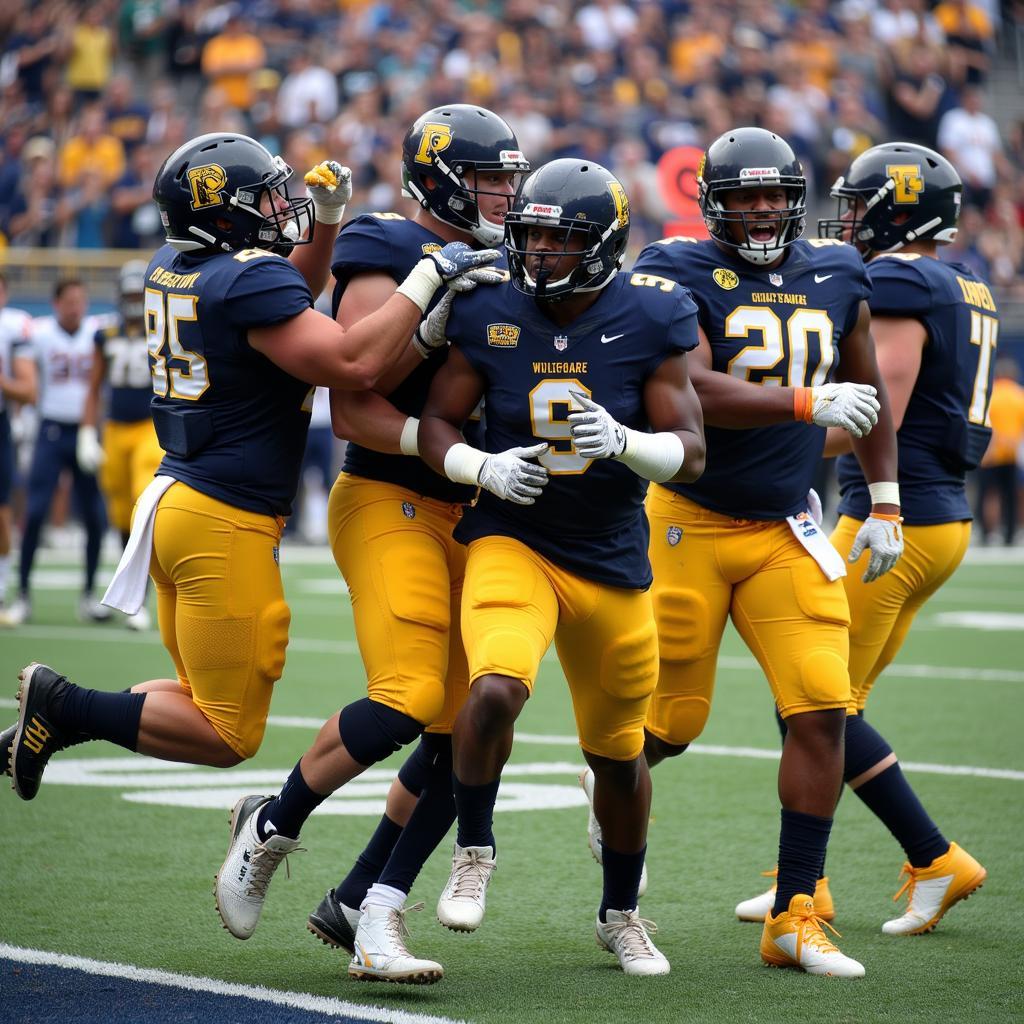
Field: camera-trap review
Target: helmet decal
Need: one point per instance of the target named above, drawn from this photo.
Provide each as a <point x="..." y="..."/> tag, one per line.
<point x="207" y="183"/>
<point x="435" y="138"/>
<point x="909" y="183"/>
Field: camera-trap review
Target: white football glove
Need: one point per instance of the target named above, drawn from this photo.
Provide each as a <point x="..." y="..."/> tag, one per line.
<point x="444" y="267"/>
<point x="850" y="406"/>
<point x="814" y="506"/>
<point x="88" y="450"/>
<point x="330" y="187"/>
<point x="596" y="434"/>
<point x="469" y="280"/>
<point x="430" y="333"/>
<point x="885" y="539"/>
<point x="509" y="476"/>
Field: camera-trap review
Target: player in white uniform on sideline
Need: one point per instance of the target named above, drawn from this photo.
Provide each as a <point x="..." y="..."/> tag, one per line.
<point x="63" y="347"/>
<point x="17" y="386"/>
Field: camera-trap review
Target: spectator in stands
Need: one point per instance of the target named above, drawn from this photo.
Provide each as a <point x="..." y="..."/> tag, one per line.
<point x="606" y="24"/>
<point x="92" y="147"/>
<point x="969" y="36"/>
<point x="35" y="48"/>
<point x="308" y="92"/>
<point x="37" y="212"/>
<point x="969" y="138"/>
<point x="998" y="472"/>
<point x="90" y="59"/>
<point x="919" y="97"/>
<point x="127" y="118"/>
<point x="135" y="221"/>
<point x="143" y="29"/>
<point x="230" y="57"/>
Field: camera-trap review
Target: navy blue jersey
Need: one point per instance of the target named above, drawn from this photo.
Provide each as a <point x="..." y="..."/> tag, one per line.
<point x="590" y="517"/>
<point x="123" y="350"/>
<point x="944" y="431"/>
<point x="388" y="243"/>
<point x="780" y="328"/>
<point x="232" y="423"/>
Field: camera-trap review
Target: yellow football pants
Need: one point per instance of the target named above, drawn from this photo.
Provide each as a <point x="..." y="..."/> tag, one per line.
<point x="881" y="612"/>
<point x="516" y="602"/>
<point x="405" y="575"/>
<point x="132" y="455"/>
<point x="708" y="567"/>
<point x="221" y="608"/>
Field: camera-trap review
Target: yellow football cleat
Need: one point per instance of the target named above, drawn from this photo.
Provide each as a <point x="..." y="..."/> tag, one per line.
<point x="931" y="891"/>
<point x="757" y="908"/>
<point x="797" y="939"/>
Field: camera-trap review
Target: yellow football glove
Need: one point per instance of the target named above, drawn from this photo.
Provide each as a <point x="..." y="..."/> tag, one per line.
<point x="329" y="185"/>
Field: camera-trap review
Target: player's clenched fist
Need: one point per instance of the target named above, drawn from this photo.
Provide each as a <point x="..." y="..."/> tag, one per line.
<point x="850" y="406"/>
<point x="330" y="187"/>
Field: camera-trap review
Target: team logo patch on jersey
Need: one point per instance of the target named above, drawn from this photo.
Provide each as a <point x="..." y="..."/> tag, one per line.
<point x="408" y="510"/>
<point x="207" y="183"/>
<point x="726" y="279"/>
<point x="503" y="335"/>
<point x="561" y="342"/>
<point x="674" y="535"/>
<point x="428" y="247"/>
<point x="776" y="279"/>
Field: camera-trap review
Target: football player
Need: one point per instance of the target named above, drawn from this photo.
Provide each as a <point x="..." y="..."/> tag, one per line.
<point x="784" y="351"/>
<point x="18" y="385"/>
<point x="235" y="345"/>
<point x="62" y="346"/>
<point x="391" y="517"/>
<point x="584" y="377"/>
<point x="390" y="520"/>
<point x="128" y="458"/>
<point x="936" y="328"/>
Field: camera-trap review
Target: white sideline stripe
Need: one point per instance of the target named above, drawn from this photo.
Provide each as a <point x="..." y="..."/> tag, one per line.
<point x="713" y="750"/>
<point x="192" y="983"/>
<point x="309" y="645"/>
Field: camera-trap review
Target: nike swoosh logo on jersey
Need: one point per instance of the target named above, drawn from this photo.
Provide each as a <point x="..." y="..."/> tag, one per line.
<point x="818" y="278"/>
<point x="605" y="338"/>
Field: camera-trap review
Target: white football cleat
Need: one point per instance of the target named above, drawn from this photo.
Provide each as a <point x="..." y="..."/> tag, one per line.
<point x="240" y="887"/>
<point x="931" y="891"/>
<point x="140" y="621"/>
<point x="381" y="953"/>
<point x="628" y="936"/>
<point x="16" y="613"/>
<point x="594" y="828"/>
<point x="462" y="903"/>
<point x="92" y="610"/>
<point x="797" y="939"/>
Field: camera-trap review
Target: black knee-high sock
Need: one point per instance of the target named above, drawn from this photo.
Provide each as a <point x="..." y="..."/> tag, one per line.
<point x="431" y="819"/>
<point x="803" y="839"/>
<point x="475" y="805"/>
<point x="288" y="811"/>
<point x="351" y="890"/>
<point x="621" y="873"/>
<point x="890" y="798"/>
<point x="99" y="715"/>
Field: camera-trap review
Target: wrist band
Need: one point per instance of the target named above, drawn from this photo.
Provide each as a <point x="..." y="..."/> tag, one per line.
<point x="655" y="457"/>
<point x="328" y="214"/>
<point x="462" y="463"/>
<point x="408" y="443"/>
<point x="885" y="492"/>
<point x="885" y="517"/>
<point x="803" y="404"/>
<point x="420" y="285"/>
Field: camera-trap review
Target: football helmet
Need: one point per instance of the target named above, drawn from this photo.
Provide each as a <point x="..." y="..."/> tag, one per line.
<point x="131" y="290"/>
<point x="439" y="153"/>
<point x="582" y="198"/>
<point x="887" y="181"/>
<point x="209" y="193"/>
<point x="751" y="158"/>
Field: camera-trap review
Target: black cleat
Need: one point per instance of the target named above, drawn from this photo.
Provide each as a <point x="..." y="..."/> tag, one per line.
<point x="332" y="923"/>
<point x="37" y="737"/>
<point x="6" y="746"/>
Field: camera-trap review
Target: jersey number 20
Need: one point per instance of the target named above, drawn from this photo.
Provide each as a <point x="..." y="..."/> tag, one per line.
<point x="784" y="348"/>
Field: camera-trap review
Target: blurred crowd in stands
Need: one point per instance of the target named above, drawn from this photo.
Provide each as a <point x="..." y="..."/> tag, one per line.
<point x="93" y="95"/>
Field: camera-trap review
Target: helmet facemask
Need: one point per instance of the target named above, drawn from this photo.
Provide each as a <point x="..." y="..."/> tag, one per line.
<point x="787" y="223"/>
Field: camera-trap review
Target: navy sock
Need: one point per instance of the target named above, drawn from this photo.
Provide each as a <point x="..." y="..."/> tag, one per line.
<point x="413" y="773"/>
<point x="476" y="812"/>
<point x="351" y="890"/>
<point x="621" y="879"/>
<point x="803" y="839"/>
<point x="101" y="715"/>
<point x="890" y="798"/>
<point x="431" y="819"/>
<point x="287" y="812"/>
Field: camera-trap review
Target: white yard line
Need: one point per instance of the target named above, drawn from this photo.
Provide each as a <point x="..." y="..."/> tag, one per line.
<point x="193" y="983"/>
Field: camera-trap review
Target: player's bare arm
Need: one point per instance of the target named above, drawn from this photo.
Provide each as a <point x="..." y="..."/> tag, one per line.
<point x="454" y="393"/>
<point x="330" y="187"/>
<point x="672" y="405"/>
<point x="90" y="413"/>
<point x="22" y="385"/>
<point x="899" y="345"/>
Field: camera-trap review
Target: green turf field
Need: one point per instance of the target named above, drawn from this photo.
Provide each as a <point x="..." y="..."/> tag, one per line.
<point x="117" y="863"/>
